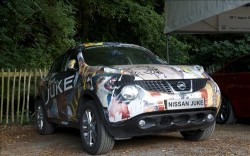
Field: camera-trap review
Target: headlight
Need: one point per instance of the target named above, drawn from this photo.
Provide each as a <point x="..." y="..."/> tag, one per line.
<point x="129" y="92"/>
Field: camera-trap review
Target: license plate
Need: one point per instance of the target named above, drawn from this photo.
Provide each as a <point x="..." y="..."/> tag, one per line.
<point x="184" y="104"/>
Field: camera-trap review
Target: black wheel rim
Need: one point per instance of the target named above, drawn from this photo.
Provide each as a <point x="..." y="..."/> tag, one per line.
<point x="40" y="117"/>
<point x="89" y="128"/>
<point x="223" y="113"/>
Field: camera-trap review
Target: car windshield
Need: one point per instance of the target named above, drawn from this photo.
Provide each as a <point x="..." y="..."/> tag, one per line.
<point x="117" y="55"/>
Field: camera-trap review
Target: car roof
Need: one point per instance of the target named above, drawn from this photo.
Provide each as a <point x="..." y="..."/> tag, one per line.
<point x="110" y="44"/>
<point x="104" y="44"/>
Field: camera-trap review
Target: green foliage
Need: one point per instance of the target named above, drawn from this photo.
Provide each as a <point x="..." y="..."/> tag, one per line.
<point x="128" y="21"/>
<point x="178" y="50"/>
<point x="34" y="32"/>
<point x="219" y="49"/>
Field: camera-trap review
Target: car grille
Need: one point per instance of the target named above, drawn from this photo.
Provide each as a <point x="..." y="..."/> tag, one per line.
<point x="174" y="85"/>
<point x="199" y="84"/>
<point x="167" y="86"/>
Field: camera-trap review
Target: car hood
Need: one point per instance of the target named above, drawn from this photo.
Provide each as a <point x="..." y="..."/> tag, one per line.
<point x="158" y="71"/>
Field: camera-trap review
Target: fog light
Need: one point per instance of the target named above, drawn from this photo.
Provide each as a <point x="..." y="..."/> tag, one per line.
<point x="210" y="117"/>
<point x="142" y="123"/>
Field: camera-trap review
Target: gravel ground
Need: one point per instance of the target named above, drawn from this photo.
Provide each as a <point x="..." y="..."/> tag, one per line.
<point x="230" y="139"/>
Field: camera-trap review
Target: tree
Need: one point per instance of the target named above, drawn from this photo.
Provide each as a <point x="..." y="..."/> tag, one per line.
<point x="218" y="49"/>
<point x="124" y="21"/>
<point x="34" y="32"/>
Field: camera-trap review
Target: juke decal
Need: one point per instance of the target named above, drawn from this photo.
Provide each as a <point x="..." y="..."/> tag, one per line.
<point x="56" y="89"/>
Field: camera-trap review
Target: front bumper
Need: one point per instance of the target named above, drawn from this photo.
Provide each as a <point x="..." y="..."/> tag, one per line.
<point x="181" y="120"/>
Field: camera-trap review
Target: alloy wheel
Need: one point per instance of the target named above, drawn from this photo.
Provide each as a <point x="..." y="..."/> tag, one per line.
<point x="40" y="117"/>
<point x="89" y="127"/>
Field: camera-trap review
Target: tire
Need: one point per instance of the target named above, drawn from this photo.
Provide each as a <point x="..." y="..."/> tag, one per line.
<point x="198" y="135"/>
<point x="44" y="127"/>
<point x="95" y="138"/>
<point x="226" y="113"/>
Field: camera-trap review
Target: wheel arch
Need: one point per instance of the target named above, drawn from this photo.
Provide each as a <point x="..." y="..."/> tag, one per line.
<point x="91" y="95"/>
<point x="39" y="98"/>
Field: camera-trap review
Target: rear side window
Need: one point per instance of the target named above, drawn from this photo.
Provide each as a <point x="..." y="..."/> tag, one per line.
<point x="57" y="66"/>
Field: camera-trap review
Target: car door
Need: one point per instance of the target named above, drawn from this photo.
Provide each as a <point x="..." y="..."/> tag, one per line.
<point x="69" y="80"/>
<point x="52" y="93"/>
<point x="61" y="81"/>
<point x="238" y="86"/>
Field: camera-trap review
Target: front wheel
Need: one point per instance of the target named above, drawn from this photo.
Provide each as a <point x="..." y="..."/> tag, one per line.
<point x="95" y="138"/>
<point x="198" y="135"/>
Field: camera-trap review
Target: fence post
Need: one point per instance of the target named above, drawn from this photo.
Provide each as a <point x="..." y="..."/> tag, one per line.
<point x="8" y="97"/>
<point x="24" y="90"/>
<point x="35" y="81"/>
<point x="45" y="72"/>
<point x="41" y="74"/>
<point x="18" y="96"/>
<point x="28" y="96"/>
<point x="1" y="115"/>
<point x="13" y="99"/>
